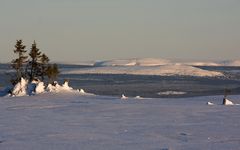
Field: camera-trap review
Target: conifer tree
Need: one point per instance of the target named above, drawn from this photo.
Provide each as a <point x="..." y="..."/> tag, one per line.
<point x="44" y="62"/>
<point x="52" y="72"/>
<point x="33" y="68"/>
<point x="18" y="63"/>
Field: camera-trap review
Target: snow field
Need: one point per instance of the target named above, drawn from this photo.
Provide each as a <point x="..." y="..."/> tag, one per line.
<point x="68" y="120"/>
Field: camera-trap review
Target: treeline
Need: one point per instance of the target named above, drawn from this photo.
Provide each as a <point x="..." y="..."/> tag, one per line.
<point x="32" y="65"/>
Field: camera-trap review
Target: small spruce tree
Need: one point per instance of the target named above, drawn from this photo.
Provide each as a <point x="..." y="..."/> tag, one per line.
<point x="33" y="68"/>
<point x="44" y="60"/>
<point x="52" y="72"/>
<point x="18" y="63"/>
<point x="36" y="66"/>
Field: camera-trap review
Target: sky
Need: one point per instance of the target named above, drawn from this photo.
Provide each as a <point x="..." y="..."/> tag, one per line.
<point x="82" y="30"/>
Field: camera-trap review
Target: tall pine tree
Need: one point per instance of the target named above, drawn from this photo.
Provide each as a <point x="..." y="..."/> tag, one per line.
<point x="18" y="63"/>
<point x="44" y="60"/>
<point x="34" y="67"/>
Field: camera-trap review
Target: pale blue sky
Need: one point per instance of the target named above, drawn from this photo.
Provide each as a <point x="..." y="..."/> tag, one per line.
<point x="79" y="30"/>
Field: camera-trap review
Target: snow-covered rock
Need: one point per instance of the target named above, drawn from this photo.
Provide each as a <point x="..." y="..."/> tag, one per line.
<point x="210" y="103"/>
<point x="227" y="102"/>
<point x="20" y="89"/>
<point x="66" y="87"/>
<point x="82" y="92"/>
<point x="23" y="88"/>
<point x="55" y="87"/>
<point x="40" y="88"/>
<point x="124" y="97"/>
<point x="138" y="97"/>
<point x="31" y="88"/>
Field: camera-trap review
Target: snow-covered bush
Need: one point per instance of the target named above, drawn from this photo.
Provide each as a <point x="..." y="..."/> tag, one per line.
<point x="20" y="89"/>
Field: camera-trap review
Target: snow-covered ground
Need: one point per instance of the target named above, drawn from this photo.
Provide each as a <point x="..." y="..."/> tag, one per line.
<point x="70" y="121"/>
<point x="164" y="70"/>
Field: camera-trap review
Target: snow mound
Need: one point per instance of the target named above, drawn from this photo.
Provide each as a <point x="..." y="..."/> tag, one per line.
<point x="82" y="92"/>
<point x="124" y="97"/>
<point x="133" y="62"/>
<point x="20" y="88"/>
<point x="40" y="88"/>
<point x="24" y="88"/>
<point x="165" y="70"/>
<point x="138" y="97"/>
<point x="227" y="102"/>
<point x="55" y="87"/>
<point x="66" y="87"/>
<point x="210" y="103"/>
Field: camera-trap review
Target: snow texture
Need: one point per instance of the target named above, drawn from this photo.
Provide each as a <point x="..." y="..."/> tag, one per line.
<point x="70" y="121"/>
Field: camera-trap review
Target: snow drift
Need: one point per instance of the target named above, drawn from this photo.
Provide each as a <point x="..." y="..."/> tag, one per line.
<point x="23" y="88"/>
<point x="20" y="88"/>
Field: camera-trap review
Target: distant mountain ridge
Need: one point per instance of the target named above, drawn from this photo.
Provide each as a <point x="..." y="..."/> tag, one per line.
<point x="154" y="62"/>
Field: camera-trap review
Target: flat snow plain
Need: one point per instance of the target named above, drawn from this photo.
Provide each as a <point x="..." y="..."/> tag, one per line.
<point x="70" y="121"/>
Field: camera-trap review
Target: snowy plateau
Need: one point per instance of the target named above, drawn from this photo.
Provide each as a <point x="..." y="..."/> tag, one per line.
<point x="146" y="66"/>
<point x="66" y="119"/>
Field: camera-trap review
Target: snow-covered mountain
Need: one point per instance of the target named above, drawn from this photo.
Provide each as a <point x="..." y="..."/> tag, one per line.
<point x="134" y="62"/>
<point x="154" y="62"/>
<point x="164" y="70"/>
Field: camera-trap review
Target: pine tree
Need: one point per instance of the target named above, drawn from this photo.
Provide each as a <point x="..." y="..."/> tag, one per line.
<point x="52" y="72"/>
<point x="33" y="68"/>
<point x="19" y="62"/>
<point x="44" y="62"/>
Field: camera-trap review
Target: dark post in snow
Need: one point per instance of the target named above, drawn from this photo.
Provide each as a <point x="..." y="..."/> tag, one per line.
<point x="226" y="93"/>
